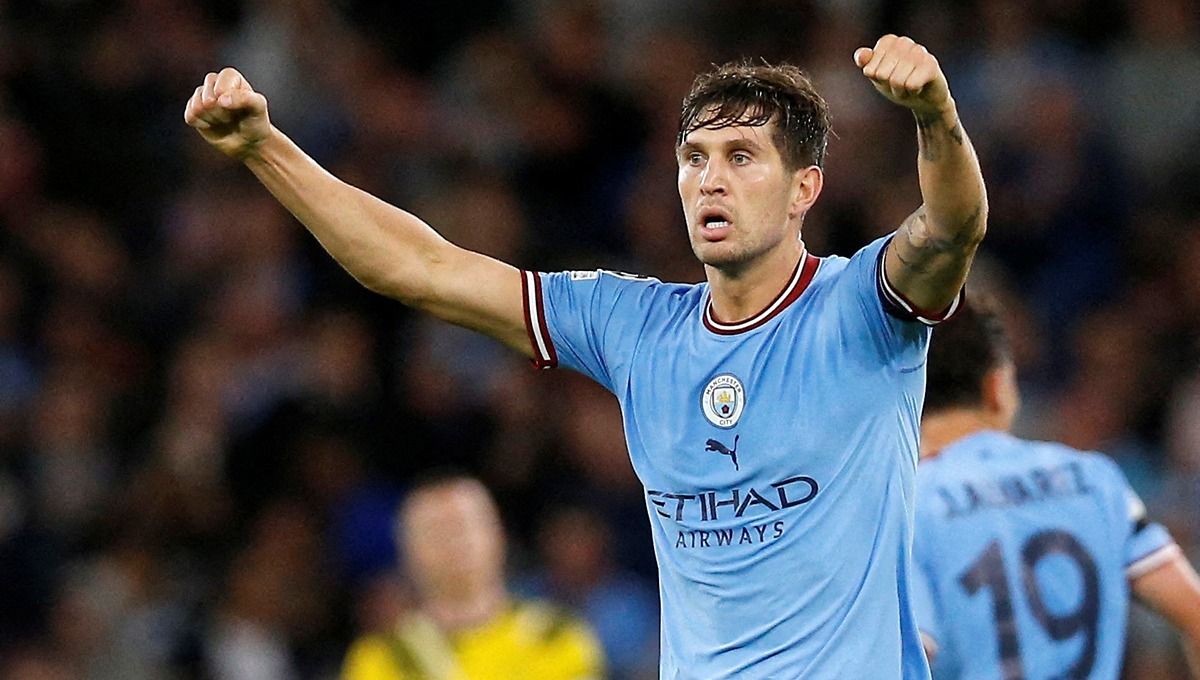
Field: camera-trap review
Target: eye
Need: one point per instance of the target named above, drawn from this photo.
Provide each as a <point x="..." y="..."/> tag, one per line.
<point x="740" y="158"/>
<point x="695" y="158"/>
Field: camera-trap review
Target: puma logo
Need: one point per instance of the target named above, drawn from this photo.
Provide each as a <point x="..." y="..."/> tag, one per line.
<point x="714" y="445"/>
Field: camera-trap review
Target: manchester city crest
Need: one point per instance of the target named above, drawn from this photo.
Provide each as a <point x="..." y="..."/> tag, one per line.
<point x="723" y="400"/>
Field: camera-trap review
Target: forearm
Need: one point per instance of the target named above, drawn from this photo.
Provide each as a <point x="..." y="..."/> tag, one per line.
<point x="955" y="201"/>
<point x="383" y="247"/>
<point x="928" y="260"/>
<point x="1191" y="650"/>
<point x="1173" y="590"/>
<point x="1189" y="638"/>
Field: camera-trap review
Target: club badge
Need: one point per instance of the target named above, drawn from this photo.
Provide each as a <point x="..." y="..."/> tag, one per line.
<point x="723" y="400"/>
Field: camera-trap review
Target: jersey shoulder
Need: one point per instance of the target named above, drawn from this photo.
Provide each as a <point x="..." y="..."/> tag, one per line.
<point x="1001" y="456"/>
<point x="642" y="296"/>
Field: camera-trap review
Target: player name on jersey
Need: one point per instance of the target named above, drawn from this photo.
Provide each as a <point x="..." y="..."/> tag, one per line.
<point x="1033" y="485"/>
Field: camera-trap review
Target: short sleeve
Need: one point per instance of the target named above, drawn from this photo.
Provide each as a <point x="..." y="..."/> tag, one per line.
<point x="877" y="313"/>
<point x="589" y="321"/>
<point x="898" y="306"/>
<point x="1148" y="545"/>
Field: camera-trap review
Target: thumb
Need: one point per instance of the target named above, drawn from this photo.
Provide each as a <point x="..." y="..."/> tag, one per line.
<point x="862" y="56"/>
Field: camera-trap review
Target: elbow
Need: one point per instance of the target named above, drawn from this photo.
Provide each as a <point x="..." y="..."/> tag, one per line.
<point x="973" y="226"/>
<point x="382" y="285"/>
<point x="1190" y="628"/>
<point x="977" y="232"/>
<point x="959" y="229"/>
<point x="982" y="219"/>
<point x="977" y="220"/>
<point x="409" y="281"/>
<point x="400" y="288"/>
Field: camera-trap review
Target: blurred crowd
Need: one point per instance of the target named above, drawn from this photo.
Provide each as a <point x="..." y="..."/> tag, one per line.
<point x="206" y="425"/>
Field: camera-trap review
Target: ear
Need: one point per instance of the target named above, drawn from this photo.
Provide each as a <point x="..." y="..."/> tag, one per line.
<point x="991" y="391"/>
<point x="1001" y="398"/>
<point x="806" y="186"/>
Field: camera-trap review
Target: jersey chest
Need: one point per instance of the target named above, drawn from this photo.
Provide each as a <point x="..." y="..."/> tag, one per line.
<point x="707" y="411"/>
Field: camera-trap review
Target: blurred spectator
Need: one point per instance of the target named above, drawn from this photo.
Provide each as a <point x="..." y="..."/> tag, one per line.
<point x="575" y="552"/>
<point x="113" y="618"/>
<point x="1153" y="103"/>
<point x="275" y="606"/>
<point x="464" y="623"/>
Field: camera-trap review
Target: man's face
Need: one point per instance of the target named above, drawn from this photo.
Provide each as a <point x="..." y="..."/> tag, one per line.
<point x="737" y="194"/>
<point x="453" y="538"/>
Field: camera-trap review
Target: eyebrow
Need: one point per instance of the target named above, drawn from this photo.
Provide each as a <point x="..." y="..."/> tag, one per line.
<point x="730" y="145"/>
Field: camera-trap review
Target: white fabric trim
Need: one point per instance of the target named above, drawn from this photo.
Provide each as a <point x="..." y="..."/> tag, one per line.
<point x="783" y="295"/>
<point x="1154" y="560"/>
<point x="541" y="343"/>
<point x="897" y="299"/>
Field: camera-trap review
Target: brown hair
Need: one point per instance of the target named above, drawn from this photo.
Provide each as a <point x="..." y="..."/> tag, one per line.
<point x="745" y="93"/>
<point x="962" y="350"/>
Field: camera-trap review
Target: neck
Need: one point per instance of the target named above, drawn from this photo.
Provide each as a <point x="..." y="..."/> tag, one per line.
<point x="453" y="612"/>
<point x="738" y="294"/>
<point x="946" y="427"/>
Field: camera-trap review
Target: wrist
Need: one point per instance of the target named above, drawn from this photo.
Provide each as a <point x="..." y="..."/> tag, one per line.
<point x="260" y="150"/>
<point x="944" y="114"/>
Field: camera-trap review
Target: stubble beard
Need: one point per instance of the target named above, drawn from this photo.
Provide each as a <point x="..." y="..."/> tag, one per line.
<point x="726" y="257"/>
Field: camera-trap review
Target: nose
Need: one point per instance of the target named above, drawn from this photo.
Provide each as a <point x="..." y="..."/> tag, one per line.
<point x="712" y="178"/>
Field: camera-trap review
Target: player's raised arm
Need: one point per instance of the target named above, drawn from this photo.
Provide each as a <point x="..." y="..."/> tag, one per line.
<point x="386" y="249"/>
<point x="1173" y="590"/>
<point x="927" y="261"/>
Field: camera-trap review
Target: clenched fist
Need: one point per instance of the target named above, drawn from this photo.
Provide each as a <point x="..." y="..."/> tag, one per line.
<point x="229" y="114"/>
<point x="907" y="74"/>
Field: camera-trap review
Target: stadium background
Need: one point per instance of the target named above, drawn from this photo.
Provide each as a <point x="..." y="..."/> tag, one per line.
<point x="205" y="424"/>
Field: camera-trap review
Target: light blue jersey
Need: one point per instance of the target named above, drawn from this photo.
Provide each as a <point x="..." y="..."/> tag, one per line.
<point x="1025" y="550"/>
<point x="778" y="457"/>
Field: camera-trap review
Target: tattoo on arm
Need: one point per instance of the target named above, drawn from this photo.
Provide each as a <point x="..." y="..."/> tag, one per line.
<point x="919" y="248"/>
<point x="913" y="241"/>
<point x="931" y="136"/>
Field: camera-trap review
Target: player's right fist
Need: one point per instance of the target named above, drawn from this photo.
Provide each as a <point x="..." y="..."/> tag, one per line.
<point x="229" y="114"/>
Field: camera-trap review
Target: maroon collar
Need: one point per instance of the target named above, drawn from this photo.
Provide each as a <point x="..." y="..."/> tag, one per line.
<point x="806" y="268"/>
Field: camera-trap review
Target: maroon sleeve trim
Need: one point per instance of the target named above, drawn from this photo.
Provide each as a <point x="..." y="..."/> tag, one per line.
<point x="897" y="305"/>
<point x="544" y="355"/>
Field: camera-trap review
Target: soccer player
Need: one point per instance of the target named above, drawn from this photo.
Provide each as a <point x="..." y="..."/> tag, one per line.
<point x="771" y="412"/>
<point x="1026" y="552"/>
<point x="466" y="626"/>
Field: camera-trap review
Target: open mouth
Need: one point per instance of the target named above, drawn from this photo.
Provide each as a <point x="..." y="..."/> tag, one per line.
<point x="714" y="219"/>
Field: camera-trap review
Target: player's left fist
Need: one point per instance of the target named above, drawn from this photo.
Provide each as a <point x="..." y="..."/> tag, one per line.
<point x="906" y="73"/>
